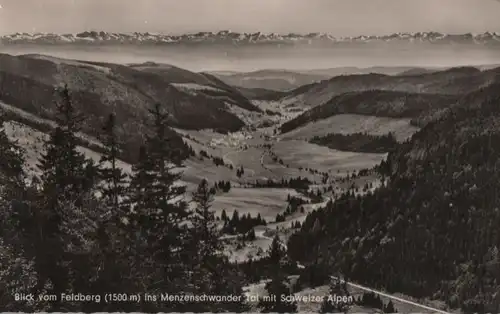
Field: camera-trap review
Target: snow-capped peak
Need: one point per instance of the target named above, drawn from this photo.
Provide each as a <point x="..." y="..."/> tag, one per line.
<point x="225" y="36"/>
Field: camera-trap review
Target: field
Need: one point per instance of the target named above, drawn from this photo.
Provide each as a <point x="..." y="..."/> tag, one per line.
<point x="267" y="202"/>
<point x="302" y="154"/>
<point x="351" y="123"/>
<point x="196" y="170"/>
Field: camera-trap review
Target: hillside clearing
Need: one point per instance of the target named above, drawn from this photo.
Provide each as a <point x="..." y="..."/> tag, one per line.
<point x="303" y="154"/>
<point x="352" y="123"/>
<point x="267" y="202"/>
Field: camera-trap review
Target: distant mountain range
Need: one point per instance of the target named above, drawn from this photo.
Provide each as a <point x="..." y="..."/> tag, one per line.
<point x="283" y="80"/>
<point x="243" y="39"/>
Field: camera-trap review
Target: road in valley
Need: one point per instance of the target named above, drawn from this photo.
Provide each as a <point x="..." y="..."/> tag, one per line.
<point x="425" y="307"/>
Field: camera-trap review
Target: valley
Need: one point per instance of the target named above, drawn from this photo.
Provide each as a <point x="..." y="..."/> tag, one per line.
<point x="262" y="155"/>
<point x="304" y="158"/>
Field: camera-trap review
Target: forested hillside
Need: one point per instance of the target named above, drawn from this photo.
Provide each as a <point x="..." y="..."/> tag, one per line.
<point x="195" y="101"/>
<point x="433" y="230"/>
<point x="88" y="229"/>
<point x="454" y="81"/>
<point x="375" y="103"/>
<point x="357" y="142"/>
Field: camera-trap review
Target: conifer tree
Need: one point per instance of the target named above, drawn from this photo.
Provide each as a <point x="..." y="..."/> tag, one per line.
<point x="279" y="284"/>
<point x="212" y="274"/>
<point x="259" y="219"/>
<point x="139" y="185"/>
<point x="251" y="235"/>
<point x="389" y="308"/>
<point x="112" y="178"/>
<point x="113" y="238"/>
<point x="223" y="216"/>
<point x="205" y="231"/>
<point x="63" y="167"/>
<point x="113" y="189"/>
<point x="68" y="212"/>
<point x="159" y="211"/>
<point x="235" y="218"/>
<point x="276" y="253"/>
<point x="330" y="305"/>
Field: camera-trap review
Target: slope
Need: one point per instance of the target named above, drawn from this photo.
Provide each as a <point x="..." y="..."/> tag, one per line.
<point x="432" y="231"/>
<point x="214" y="87"/>
<point x="28" y="82"/>
<point x="452" y="81"/>
<point x="380" y="103"/>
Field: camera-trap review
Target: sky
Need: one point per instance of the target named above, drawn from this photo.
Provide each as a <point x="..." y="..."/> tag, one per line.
<point x="336" y="17"/>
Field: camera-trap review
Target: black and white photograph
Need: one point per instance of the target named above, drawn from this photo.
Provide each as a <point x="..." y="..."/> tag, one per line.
<point x="250" y="156"/>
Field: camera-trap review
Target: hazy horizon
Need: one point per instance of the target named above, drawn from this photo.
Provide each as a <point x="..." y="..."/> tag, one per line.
<point x="336" y="17"/>
<point x="205" y="60"/>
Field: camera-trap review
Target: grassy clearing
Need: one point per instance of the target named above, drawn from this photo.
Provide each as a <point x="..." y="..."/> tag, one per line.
<point x="352" y="123"/>
<point x="267" y="202"/>
<point x="196" y="170"/>
<point x="302" y="154"/>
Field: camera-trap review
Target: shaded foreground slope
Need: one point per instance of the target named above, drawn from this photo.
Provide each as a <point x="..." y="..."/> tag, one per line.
<point x="432" y="231"/>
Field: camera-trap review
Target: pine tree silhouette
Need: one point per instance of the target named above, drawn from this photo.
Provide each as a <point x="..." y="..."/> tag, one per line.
<point x="113" y="238"/>
<point x="279" y="284"/>
<point x="211" y="271"/>
<point x="113" y="180"/>
<point x="389" y="308"/>
<point x="330" y="305"/>
<point x="68" y="219"/>
<point x="159" y="212"/>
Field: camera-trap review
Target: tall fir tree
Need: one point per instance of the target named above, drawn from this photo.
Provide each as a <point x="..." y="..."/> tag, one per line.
<point x="205" y="232"/>
<point x="113" y="236"/>
<point x="279" y="285"/>
<point x="68" y="212"/>
<point x="113" y="179"/>
<point x="64" y="169"/>
<point x="223" y="216"/>
<point x="211" y="273"/>
<point x="277" y="253"/>
<point x="159" y="211"/>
